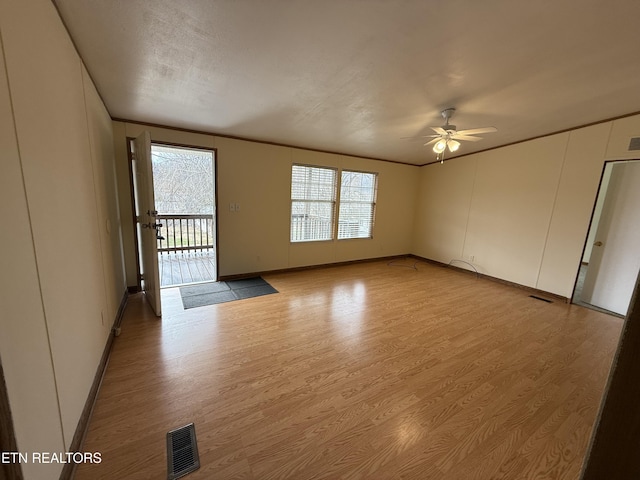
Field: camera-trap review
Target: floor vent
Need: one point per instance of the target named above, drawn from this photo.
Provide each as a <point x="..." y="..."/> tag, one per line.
<point x="182" y="452"/>
<point x="540" y="298"/>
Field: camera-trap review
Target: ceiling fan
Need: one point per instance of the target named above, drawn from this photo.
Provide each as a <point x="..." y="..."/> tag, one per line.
<point x="448" y="136"/>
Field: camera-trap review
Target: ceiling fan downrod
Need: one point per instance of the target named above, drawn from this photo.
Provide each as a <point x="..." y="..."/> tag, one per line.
<point x="447" y="113"/>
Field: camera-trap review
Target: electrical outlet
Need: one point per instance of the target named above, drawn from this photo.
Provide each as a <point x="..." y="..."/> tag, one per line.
<point x="472" y="258"/>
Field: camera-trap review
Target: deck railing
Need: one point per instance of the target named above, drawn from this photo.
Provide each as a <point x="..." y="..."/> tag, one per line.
<point x="307" y="227"/>
<point x="185" y="232"/>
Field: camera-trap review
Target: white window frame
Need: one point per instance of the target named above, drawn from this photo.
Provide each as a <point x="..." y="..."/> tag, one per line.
<point x="357" y="205"/>
<point x="317" y="201"/>
<point x="313" y="203"/>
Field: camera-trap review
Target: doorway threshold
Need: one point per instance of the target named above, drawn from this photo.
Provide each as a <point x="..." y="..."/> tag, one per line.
<point x="597" y="309"/>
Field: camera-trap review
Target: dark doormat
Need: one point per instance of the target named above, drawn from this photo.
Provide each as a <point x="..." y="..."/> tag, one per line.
<point x="220" y="292"/>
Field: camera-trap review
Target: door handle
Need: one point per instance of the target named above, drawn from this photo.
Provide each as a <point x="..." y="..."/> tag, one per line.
<point x="152" y="225"/>
<point x="597" y="244"/>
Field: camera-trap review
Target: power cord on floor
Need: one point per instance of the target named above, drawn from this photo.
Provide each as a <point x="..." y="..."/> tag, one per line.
<point x="393" y="263"/>
<point x="414" y="265"/>
<point x="467" y="263"/>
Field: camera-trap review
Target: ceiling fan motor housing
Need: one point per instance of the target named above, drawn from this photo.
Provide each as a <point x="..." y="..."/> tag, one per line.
<point x="447" y="113"/>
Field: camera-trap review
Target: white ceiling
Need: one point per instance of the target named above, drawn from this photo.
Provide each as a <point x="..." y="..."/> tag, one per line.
<point x="356" y="76"/>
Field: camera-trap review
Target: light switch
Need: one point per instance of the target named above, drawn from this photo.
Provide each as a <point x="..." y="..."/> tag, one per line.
<point x="237" y="207"/>
<point x="232" y="207"/>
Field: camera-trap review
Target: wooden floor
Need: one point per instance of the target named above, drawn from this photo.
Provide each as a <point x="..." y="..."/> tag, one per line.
<point x="367" y="371"/>
<point x="178" y="268"/>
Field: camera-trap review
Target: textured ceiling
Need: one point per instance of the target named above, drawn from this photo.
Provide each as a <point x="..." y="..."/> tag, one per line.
<point x="356" y="76"/>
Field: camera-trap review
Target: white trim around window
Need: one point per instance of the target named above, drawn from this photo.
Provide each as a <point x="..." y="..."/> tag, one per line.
<point x="358" y="191"/>
<point x="314" y="199"/>
<point x="313" y="203"/>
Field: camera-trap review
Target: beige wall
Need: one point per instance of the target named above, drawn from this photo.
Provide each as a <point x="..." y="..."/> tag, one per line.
<point x="24" y="346"/>
<point x="258" y="177"/>
<point x="521" y="212"/>
<point x="62" y="276"/>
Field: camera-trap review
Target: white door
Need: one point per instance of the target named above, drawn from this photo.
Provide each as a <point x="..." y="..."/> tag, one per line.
<point x="615" y="258"/>
<point x="147" y="221"/>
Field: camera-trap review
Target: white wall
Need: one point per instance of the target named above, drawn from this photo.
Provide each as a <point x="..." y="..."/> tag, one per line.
<point x="258" y="177"/>
<point x="522" y="211"/>
<point x="569" y="221"/>
<point x="24" y="346"/>
<point x="510" y="206"/>
<point x="62" y="276"/>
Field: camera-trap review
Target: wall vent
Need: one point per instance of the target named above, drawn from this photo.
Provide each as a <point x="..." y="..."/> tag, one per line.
<point x="634" y="144"/>
<point x="540" y="298"/>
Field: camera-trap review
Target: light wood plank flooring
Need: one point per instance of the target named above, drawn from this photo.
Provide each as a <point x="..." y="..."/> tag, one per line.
<point x="366" y="371"/>
<point x="178" y="268"/>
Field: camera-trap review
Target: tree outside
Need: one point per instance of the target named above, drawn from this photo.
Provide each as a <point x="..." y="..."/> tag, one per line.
<point x="184" y="196"/>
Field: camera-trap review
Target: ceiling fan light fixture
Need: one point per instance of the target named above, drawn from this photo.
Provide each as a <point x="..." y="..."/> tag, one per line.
<point x="440" y="146"/>
<point x="445" y="135"/>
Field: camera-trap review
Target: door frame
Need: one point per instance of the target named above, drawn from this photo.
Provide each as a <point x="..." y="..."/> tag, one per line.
<point x="591" y="224"/>
<point x="133" y="201"/>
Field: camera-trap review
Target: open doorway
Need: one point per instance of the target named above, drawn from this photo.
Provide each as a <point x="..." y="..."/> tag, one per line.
<point x="181" y="191"/>
<point x="184" y="188"/>
<point x="611" y="257"/>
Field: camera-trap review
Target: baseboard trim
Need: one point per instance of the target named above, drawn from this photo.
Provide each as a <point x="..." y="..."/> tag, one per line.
<point x="120" y="313"/>
<point x="224" y="278"/>
<point x="83" y="424"/>
<point x="536" y="291"/>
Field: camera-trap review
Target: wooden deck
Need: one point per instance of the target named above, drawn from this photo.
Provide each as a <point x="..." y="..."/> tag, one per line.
<point x="178" y="268"/>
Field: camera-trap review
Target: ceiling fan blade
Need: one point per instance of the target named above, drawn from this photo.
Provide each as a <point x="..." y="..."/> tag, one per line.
<point x="477" y="131"/>
<point x="439" y="130"/>
<point x="432" y="141"/>
<point x="413" y="137"/>
<point x="457" y="136"/>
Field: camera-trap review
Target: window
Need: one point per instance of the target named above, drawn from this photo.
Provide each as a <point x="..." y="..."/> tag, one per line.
<point x="357" y="204"/>
<point x="313" y="202"/>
